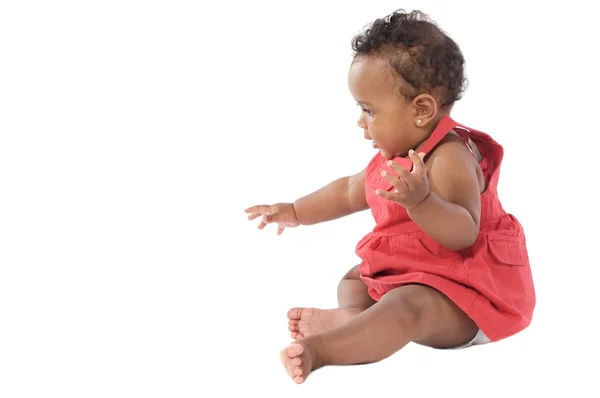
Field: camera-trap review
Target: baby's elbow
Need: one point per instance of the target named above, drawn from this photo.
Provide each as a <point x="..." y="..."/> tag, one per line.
<point x="462" y="245"/>
<point x="465" y="241"/>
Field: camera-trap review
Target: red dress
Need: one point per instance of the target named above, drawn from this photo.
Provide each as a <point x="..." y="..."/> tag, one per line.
<point x="490" y="281"/>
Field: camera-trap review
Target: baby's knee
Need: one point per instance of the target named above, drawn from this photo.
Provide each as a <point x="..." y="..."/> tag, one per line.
<point x="353" y="273"/>
<point x="411" y="304"/>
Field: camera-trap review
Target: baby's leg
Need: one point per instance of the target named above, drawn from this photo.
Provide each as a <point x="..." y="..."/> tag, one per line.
<point x="409" y="313"/>
<point x="352" y="292"/>
<point x="353" y="298"/>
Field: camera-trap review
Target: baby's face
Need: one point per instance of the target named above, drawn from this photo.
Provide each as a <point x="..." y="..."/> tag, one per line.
<point x="386" y="118"/>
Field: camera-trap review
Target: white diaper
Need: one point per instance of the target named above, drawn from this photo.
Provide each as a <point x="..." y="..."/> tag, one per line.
<point x="480" y="338"/>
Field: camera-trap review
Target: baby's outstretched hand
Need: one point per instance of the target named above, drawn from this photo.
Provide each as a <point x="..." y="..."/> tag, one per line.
<point x="282" y="214"/>
<point x="411" y="188"/>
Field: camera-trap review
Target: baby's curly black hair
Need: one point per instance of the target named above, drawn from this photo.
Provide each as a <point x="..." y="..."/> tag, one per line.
<point x="427" y="59"/>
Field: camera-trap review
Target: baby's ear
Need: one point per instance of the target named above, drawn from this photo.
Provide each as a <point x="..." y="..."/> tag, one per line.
<point x="426" y="109"/>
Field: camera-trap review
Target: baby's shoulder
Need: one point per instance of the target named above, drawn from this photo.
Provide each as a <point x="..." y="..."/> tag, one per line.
<point x="452" y="159"/>
<point x="452" y="149"/>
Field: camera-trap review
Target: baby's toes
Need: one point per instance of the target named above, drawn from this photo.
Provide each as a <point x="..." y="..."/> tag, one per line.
<point x="289" y="367"/>
<point x="294" y="367"/>
<point x="291" y="370"/>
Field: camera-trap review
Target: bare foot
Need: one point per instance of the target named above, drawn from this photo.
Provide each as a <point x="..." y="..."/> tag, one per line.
<point x="304" y="322"/>
<point x="299" y="360"/>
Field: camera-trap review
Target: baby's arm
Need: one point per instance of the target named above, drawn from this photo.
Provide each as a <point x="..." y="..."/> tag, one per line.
<point x="450" y="213"/>
<point x="337" y="199"/>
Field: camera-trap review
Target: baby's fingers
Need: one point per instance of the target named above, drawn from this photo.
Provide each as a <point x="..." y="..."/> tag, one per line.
<point x="256" y="211"/>
<point x="419" y="169"/>
<point x="265" y="220"/>
<point x="393" y="196"/>
<point x="253" y="216"/>
<point x="263" y="209"/>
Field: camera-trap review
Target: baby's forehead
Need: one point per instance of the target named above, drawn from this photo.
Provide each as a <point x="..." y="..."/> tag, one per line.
<point x="372" y="67"/>
<point x="371" y="74"/>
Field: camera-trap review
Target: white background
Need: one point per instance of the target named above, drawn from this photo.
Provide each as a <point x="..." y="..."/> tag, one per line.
<point x="133" y="135"/>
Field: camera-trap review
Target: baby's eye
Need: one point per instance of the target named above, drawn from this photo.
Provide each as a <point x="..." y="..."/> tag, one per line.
<point x="365" y="110"/>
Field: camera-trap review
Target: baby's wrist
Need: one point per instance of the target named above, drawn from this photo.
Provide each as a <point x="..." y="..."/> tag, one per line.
<point x="295" y="213"/>
<point x="421" y="204"/>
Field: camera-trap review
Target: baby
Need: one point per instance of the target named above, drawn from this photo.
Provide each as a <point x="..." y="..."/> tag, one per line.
<point x="445" y="266"/>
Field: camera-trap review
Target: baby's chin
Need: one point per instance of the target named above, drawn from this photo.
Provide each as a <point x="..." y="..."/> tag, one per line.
<point x="386" y="155"/>
<point x="389" y="156"/>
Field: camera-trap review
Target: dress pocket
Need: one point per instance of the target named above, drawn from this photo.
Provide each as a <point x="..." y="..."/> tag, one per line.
<point x="509" y="274"/>
<point x="508" y="250"/>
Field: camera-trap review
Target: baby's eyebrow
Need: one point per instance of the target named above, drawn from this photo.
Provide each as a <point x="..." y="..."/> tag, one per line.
<point x="364" y="103"/>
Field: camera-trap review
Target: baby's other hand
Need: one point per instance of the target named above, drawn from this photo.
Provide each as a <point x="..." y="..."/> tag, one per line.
<point x="282" y="214"/>
<point x="411" y="188"/>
